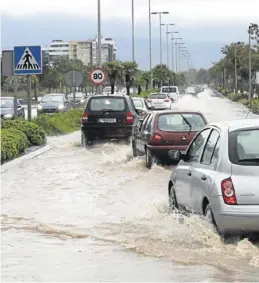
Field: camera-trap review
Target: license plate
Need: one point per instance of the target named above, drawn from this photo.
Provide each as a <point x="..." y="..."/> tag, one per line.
<point x="158" y="102"/>
<point x="107" y="120"/>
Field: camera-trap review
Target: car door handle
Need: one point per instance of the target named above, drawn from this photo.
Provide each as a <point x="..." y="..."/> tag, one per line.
<point x="203" y="178"/>
<point x="189" y="173"/>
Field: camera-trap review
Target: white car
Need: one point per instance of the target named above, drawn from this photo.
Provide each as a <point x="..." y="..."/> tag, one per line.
<point x="107" y="90"/>
<point x="159" y="101"/>
<point x="172" y="91"/>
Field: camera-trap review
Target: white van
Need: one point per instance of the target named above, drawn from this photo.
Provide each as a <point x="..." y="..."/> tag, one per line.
<point x="171" y="91"/>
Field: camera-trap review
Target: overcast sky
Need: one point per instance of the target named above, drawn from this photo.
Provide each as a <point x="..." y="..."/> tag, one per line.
<point x="205" y="25"/>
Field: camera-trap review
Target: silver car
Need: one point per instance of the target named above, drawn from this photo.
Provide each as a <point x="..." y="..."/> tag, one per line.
<point x="218" y="176"/>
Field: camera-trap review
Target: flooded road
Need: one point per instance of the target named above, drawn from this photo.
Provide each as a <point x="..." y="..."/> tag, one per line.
<point x="73" y="214"/>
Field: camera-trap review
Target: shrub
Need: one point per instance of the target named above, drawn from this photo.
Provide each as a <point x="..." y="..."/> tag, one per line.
<point x="13" y="143"/>
<point x="34" y="133"/>
<point x="60" y="123"/>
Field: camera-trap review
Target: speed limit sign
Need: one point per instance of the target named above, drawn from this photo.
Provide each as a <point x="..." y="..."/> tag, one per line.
<point x="97" y="76"/>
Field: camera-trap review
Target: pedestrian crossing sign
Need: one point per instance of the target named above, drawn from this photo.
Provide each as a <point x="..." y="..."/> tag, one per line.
<point x="27" y="60"/>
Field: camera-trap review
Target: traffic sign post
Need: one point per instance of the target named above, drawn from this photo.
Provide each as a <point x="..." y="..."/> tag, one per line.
<point x="97" y="76"/>
<point x="27" y="61"/>
<point x="73" y="79"/>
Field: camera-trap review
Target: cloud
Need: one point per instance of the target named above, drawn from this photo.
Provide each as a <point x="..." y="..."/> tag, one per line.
<point x="186" y="13"/>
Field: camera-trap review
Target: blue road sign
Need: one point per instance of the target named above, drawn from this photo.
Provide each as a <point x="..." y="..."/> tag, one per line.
<point x="27" y="60"/>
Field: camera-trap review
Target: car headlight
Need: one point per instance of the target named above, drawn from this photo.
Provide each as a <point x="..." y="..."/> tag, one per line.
<point x="39" y="107"/>
<point x="82" y="101"/>
<point x="61" y="106"/>
<point x="7" y="116"/>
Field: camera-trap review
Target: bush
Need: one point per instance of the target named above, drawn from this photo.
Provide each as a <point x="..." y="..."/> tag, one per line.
<point x="34" y="133"/>
<point x="13" y="143"/>
<point x="60" y="123"/>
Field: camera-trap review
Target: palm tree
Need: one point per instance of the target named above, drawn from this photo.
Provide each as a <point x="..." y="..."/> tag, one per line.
<point x="113" y="70"/>
<point x="129" y="70"/>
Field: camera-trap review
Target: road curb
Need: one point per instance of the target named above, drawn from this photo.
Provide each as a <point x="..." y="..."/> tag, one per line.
<point x="16" y="162"/>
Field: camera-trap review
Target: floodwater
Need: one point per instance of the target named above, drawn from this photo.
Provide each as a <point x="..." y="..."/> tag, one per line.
<point x="74" y="214"/>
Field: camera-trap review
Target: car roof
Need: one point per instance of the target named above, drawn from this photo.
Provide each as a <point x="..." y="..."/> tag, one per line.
<point x="178" y="112"/>
<point x="234" y="125"/>
<point x="7" y="97"/>
<point x="54" y="94"/>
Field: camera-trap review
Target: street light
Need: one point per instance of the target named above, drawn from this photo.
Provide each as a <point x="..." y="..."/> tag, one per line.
<point x="235" y="54"/>
<point x="99" y="40"/>
<point x="172" y="38"/>
<point x="180" y="48"/>
<point x="133" y="30"/>
<point x="167" y="43"/>
<point x="160" y="27"/>
<point x="176" y="53"/>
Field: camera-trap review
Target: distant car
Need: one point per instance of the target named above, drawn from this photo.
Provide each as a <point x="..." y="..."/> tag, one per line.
<point x="141" y="105"/>
<point x="108" y="117"/>
<point x="218" y="176"/>
<point x="158" y="101"/>
<point x="107" y="90"/>
<point x="171" y="91"/>
<point x="80" y="98"/>
<point x="191" y="90"/>
<point x="7" y="108"/>
<point x="163" y="131"/>
<point x="53" y="103"/>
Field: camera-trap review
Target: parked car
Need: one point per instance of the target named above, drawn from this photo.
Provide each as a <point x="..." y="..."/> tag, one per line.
<point x="192" y="90"/>
<point x="218" y="176"/>
<point x="53" y="103"/>
<point x="141" y="105"/>
<point x="7" y="108"/>
<point x="163" y="131"/>
<point x="158" y="101"/>
<point x="171" y="91"/>
<point x="80" y="98"/>
<point x="112" y="117"/>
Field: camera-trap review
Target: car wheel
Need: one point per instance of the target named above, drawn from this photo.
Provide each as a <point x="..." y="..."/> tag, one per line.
<point x="148" y="159"/>
<point x="134" y="149"/>
<point x="209" y="216"/>
<point x="172" y="199"/>
<point x="85" y="142"/>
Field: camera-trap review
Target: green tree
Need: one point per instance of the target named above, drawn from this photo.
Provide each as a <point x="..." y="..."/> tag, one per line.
<point x="114" y="71"/>
<point x="129" y="70"/>
<point x="161" y="75"/>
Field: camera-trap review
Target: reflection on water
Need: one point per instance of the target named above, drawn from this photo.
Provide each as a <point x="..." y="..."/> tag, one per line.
<point x="72" y="200"/>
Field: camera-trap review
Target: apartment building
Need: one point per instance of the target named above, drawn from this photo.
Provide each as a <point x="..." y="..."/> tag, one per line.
<point x="81" y="50"/>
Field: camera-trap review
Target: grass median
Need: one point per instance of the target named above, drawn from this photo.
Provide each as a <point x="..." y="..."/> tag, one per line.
<point x="18" y="135"/>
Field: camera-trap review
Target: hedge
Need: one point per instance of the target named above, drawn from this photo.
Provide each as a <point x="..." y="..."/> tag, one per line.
<point x="60" y="123"/>
<point x="18" y="134"/>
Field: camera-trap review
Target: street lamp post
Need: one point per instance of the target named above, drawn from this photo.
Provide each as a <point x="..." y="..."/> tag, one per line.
<point x="133" y="30"/>
<point x="172" y="38"/>
<point x="235" y="54"/>
<point x="160" y="30"/>
<point x="99" y="40"/>
<point x="167" y="42"/>
<point x="150" y="42"/>
<point x="250" y="67"/>
<point x="176" y="53"/>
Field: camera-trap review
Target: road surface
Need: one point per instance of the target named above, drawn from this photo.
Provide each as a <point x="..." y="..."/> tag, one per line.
<point x="73" y="214"/>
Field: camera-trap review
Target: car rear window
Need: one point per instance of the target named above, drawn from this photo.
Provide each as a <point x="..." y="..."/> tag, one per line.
<point x="243" y="147"/>
<point x="107" y="103"/>
<point x="158" y="96"/>
<point x="180" y="122"/>
<point x="138" y="103"/>
<point x="169" y="89"/>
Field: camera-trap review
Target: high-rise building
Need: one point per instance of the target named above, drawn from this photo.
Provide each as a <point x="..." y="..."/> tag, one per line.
<point x="58" y="49"/>
<point x="81" y="50"/>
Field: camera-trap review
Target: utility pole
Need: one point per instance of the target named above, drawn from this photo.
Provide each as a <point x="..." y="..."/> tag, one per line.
<point x="99" y="57"/>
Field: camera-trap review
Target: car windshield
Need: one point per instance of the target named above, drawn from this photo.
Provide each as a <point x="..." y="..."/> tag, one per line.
<point x="169" y="89"/>
<point x="158" y="96"/>
<point x="77" y="95"/>
<point x="138" y="103"/>
<point x="107" y="89"/>
<point x="180" y="122"/>
<point x="109" y="103"/>
<point x="52" y="98"/>
<point x="243" y="147"/>
<point x="7" y="103"/>
<point x="190" y="90"/>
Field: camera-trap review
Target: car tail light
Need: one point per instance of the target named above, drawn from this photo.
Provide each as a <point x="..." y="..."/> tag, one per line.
<point x="84" y="118"/>
<point x="155" y="138"/>
<point x="129" y="118"/>
<point x="228" y="191"/>
<point x="166" y="100"/>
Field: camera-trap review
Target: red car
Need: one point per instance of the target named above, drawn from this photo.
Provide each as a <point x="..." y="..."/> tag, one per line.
<point x="163" y="131"/>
